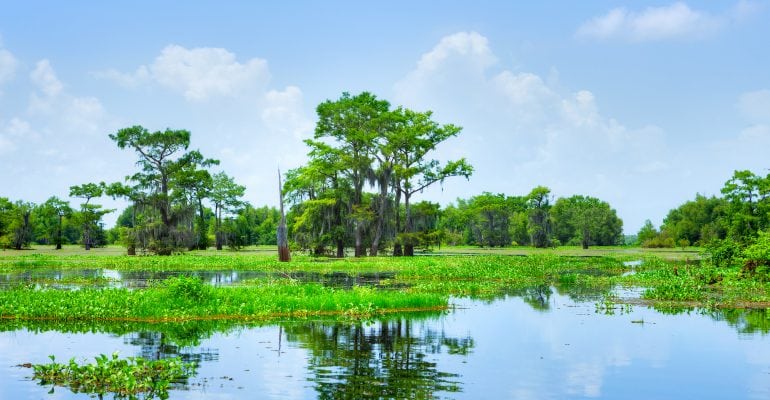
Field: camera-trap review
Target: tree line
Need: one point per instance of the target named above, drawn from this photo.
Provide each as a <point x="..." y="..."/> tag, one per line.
<point x="739" y="215"/>
<point x="366" y="163"/>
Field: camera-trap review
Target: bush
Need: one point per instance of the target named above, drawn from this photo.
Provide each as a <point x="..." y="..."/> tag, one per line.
<point x="722" y="252"/>
<point x="187" y="288"/>
<point x="756" y="258"/>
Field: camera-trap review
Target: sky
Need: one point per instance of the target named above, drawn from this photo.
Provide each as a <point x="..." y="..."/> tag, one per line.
<point x="641" y="104"/>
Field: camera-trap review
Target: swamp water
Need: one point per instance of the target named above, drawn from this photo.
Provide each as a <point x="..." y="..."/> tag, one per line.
<point x="535" y="344"/>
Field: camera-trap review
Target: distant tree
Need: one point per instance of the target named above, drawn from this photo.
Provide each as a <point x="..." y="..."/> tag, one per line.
<point x="539" y="216"/>
<point x="50" y="221"/>
<point x="489" y="221"/>
<point x="21" y="224"/>
<point x="647" y="232"/>
<point x="416" y="137"/>
<point x="165" y="169"/>
<point x="226" y="196"/>
<point x="6" y="218"/>
<point x="698" y="221"/>
<point x="586" y="220"/>
<point x="747" y="194"/>
<point x="89" y="214"/>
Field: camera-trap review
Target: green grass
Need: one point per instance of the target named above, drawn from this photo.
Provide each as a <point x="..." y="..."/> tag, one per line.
<point x="691" y="253"/>
<point x="685" y="280"/>
<point x="187" y="298"/>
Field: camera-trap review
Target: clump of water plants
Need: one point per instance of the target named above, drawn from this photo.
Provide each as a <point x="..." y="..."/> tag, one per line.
<point x="130" y="378"/>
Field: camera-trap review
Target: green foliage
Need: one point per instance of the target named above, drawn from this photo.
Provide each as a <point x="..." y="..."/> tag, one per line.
<point x="756" y="258"/>
<point x="721" y="253"/>
<point x="169" y="186"/>
<point x="124" y="378"/>
<point x="586" y="221"/>
<point x="539" y="201"/>
<point x="187" y="288"/>
<point x="698" y="221"/>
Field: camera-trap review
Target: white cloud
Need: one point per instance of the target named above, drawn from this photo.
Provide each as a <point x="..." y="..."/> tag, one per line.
<point x="224" y="101"/>
<point x="127" y="80"/>
<point x="755" y="105"/>
<point x="469" y="49"/>
<point x="199" y="73"/>
<point x="44" y="78"/>
<point x="80" y="115"/>
<point x="673" y="21"/>
<point x="283" y="113"/>
<point x="521" y="131"/>
<point x="8" y="65"/>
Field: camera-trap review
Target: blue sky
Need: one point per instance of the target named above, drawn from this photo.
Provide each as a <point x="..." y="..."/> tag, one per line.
<point x="640" y="104"/>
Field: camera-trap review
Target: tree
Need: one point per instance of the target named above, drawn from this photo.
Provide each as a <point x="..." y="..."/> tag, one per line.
<point x="698" y="221"/>
<point x="282" y="238"/>
<point x="646" y="233"/>
<point x="89" y="214"/>
<point x="539" y="218"/>
<point x="20" y="224"/>
<point x="747" y="194"/>
<point x="353" y="124"/>
<point x="165" y="168"/>
<point x="489" y="221"/>
<point x="49" y="216"/>
<point x="225" y="194"/>
<point x="321" y="196"/>
<point x="586" y="220"/>
<point x="416" y="136"/>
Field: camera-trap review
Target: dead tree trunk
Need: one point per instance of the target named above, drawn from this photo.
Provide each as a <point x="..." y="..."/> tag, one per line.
<point x="282" y="235"/>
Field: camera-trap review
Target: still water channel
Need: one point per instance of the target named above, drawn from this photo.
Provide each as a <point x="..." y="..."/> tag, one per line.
<point x="533" y="344"/>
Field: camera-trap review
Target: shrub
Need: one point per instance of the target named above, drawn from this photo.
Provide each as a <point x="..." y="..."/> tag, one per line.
<point x="722" y="252"/>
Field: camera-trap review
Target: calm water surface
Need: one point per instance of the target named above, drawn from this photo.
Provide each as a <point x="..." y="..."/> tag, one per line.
<point x="536" y="345"/>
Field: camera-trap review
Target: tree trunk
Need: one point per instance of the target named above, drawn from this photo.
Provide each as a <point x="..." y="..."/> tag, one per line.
<point x="359" y="245"/>
<point x="202" y="241"/>
<point x="218" y="233"/>
<point x="397" y="251"/>
<point x="408" y="246"/>
<point x="58" y="235"/>
<point x="87" y="237"/>
<point x="380" y="215"/>
<point x="282" y="234"/>
<point x="340" y="249"/>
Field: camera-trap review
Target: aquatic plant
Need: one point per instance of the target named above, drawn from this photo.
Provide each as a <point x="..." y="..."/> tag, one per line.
<point x="125" y="378"/>
<point x="187" y="298"/>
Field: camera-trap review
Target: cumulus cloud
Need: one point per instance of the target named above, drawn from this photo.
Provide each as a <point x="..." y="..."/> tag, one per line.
<point x="526" y="129"/>
<point x="755" y="105"/>
<point x="283" y="113"/>
<point x="44" y="78"/>
<point x="674" y="21"/>
<point x="198" y="74"/>
<point x="84" y="115"/>
<point x="127" y="80"/>
<point x="8" y="65"/>
<point x="227" y="101"/>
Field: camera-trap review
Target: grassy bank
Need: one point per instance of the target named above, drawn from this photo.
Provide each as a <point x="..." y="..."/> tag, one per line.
<point x="421" y="282"/>
<point x="187" y="298"/>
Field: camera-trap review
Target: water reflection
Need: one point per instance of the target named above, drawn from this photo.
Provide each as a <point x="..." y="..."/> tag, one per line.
<point x="69" y="278"/>
<point x="386" y="359"/>
<point x="537" y="342"/>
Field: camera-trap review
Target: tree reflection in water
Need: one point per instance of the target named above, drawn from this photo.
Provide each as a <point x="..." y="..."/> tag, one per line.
<point x="384" y="359"/>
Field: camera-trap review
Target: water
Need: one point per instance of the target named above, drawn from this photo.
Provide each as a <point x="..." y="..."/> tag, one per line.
<point x="99" y="277"/>
<point x="537" y="344"/>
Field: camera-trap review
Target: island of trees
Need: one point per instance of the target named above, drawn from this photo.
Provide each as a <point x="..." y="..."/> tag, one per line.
<point x="358" y="194"/>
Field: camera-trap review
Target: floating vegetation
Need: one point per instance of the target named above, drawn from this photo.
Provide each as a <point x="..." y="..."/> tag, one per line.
<point x="125" y="378"/>
<point x="283" y="289"/>
<point x="188" y="298"/>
